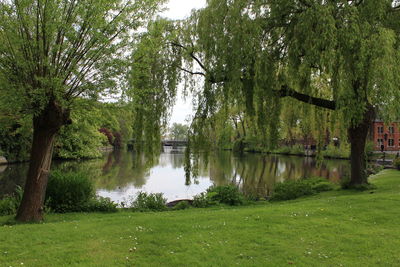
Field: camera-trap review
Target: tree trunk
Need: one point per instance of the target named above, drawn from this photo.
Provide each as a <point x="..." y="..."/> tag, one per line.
<point x="358" y="137"/>
<point x="45" y="127"/>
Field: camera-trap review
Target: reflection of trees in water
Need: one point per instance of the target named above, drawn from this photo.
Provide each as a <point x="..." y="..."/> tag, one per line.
<point x="257" y="174"/>
<point x="115" y="170"/>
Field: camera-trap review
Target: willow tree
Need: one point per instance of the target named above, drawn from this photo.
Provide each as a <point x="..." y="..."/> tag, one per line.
<point x="153" y="80"/>
<point x="52" y="52"/>
<point x="337" y="55"/>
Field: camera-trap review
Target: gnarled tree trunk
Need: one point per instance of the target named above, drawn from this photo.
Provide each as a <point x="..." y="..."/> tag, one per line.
<point x="358" y="137"/>
<point x="45" y="127"/>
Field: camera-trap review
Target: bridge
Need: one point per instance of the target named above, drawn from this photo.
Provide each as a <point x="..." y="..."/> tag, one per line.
<point x="174" y="143"/>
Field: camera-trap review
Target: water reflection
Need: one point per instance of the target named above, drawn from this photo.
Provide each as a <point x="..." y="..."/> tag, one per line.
<point x="121" y="174"/>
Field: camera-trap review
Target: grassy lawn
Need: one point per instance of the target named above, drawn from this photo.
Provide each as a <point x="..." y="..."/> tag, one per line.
<point x="338" y="228"/>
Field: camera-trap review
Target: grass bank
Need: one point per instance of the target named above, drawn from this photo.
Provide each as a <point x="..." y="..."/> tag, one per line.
<point x="337" y="228"/>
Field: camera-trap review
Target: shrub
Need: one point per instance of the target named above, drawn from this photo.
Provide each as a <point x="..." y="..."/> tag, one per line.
<point x="319" y="184"/>
<point x="396" y="163"/>
<point x="282" y="150"/>
<point x="203" y="200"/>
<point x="374" y="169"/>
<point x="292" y="189"/>
<point x="100" y="204"/>
<point x="369" y="148"/>
<point x="332" y="151"/>
<point x="297" y="149"/>
<point x="69" y="192"/>
<point x="227" y="194"/>
<point x="10" y="204"/>
<point x="182" y="205"/>
<point x="149" y="202"/>
<point x="345" y="184"/>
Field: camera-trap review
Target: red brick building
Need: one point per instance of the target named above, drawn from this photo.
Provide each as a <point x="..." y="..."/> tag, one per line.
<point x="387" y="135"/>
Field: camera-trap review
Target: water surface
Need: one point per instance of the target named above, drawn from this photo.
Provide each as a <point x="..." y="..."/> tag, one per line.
<point x="121" y="174"/>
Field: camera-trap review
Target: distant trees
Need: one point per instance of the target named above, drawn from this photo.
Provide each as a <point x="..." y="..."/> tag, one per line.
<point x="178" y="131"/>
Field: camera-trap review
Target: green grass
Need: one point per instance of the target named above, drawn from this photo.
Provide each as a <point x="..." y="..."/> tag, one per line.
<point x="337" y="228"/>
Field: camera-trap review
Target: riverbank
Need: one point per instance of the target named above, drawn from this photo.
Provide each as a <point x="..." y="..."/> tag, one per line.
<point x="337" y="228"/>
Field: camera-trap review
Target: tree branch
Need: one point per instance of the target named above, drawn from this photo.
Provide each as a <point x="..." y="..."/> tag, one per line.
<point x="192" y="55"/>
<point x="319" y="102"/>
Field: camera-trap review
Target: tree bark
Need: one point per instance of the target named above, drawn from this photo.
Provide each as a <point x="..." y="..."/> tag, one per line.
<point x="45" y="127"/>
<point x="358" y="137"/>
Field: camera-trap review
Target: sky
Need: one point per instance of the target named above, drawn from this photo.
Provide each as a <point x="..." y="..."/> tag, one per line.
<point x="180" y="9"/>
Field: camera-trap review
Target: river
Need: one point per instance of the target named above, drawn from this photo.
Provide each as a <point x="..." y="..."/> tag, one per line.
<point x="120" y="175"/>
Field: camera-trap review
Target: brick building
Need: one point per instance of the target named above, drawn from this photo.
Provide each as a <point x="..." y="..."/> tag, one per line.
<point x="387" y="135"/>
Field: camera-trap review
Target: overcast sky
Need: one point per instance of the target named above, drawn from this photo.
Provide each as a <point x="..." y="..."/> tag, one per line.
<point x="180" y="9"/>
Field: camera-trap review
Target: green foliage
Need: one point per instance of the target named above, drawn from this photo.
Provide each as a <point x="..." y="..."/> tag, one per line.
<point x="226" y="194"/>
<point x="10" y="204"/>
<point x="319" y="184"/>
<point x="182" y="205"/>
<point x="374" y="169"/>
<point x="344" y="55"/>
<point x="74" y="192"/>
<point x="149" y="202"/>
<point x="15" y="136"/>
<point x="290" y="150"/>
<point x="336" y="152"/>
<point x="396" y="163"/>
<point x="238" y="146"/>
<point x="82" y="138"/>
<point x="282" y="150"/>
<point x="345" y="183"/>
<point x="293" y="189"/>
<point x="153" y="80"/>
<point x="100" y="204"/>
<point x="369" y="149"/>
<point x="297" y="149"/>
<point x="203" y="200"/>
<point x="68" y="192"/>
<point x="178" y="131"/>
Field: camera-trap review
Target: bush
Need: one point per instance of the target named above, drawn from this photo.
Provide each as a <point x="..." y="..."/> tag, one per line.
<point x="292" y="189"/>
<point x="203" y="200"/>
<point x="319" y="184"/>
<point x="10" y="204"/>
<point x="227" y="194"/>
<point x="182" y="205"/>
<point x="100" y="204"/>
<point x="336" y="152"/>
<point x="297" y="150"/>
<point x="69" y="192"/>
<point x="396" y="163"/>
<point x="369" y="148"/>
<point x="149" y="202"/>
<point x="345" y="184"/>
<point x="282" y="150"/>
<point x="374" y="169"/>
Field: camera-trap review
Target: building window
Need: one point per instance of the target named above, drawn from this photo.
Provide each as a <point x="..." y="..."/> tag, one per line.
<point x="380" y="142"/>
<point x="380" y="129"/>
<point x="391" y="142"/>
<point x="391" y="129"/>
